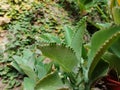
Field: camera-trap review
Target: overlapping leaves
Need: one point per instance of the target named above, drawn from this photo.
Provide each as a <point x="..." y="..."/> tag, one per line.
<point x="101" y="41"/>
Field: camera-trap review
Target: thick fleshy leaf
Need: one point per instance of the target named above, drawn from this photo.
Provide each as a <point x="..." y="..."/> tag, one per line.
<point x="113" y="60"/>
<point x="64" y="56"/>
<point x="50" y="82"/>
<point x="116" y="47"/>
<point x="101" y="41"/>
<point x="28" y="58"/>
<point x="27" y="63"/>
<point x="29" y="72"/>
<point x="50" y="38"/>
<point x="27" y="53"/>
<point x="68" y="35"/>
<point x="17" y="67"/>
<point x="40" y="70"/>
<point x="25" y="67"/>
<point x="77" y="40"/>
<point x="100" y="70"/>
<point x="28" y="84"/>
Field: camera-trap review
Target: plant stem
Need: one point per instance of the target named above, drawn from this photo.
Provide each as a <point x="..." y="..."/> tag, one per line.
<point x="100" y="11"/>
<point x="79" y="71"/>
<point x="87" y="86"/>
<point x="80" y="82"/>
<point x="95" y="25"/>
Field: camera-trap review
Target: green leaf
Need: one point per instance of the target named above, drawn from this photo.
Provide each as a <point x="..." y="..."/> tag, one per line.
<point x="27" y="53"/>
<point x="29" y="72"/>
<point x="100" y="70"/>
<point x="28" y="58"/>
<point x="84" y="4"/>
<point x="64" y="56"/>
<point x="116" y="14"/>
<point x="50" y="38"/>
<point x="101" y="41"/>
<point x="17" y="67"/>
<point x="78" y="39"/>
<point x="25" y="67"/>
<point x="68" y="35"/>
<point x="27" y="63"/>
<point x="40" y="70"/>
<point x="113" y="60"/>
<point x="116" y="47"/>
<point x="50" y="82"/>
<point x="28" y="84"/>
<point x="104" y="25"/>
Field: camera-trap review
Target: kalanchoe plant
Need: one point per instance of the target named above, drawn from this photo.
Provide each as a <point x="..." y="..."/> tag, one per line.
<point x="81" y="68"/>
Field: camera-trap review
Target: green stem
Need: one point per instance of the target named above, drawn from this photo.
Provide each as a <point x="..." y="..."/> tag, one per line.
<point x="100" y="11"/>
<point x="87" y="86"/>
<point x="95" y="25"/>
<point x="79" y="72"/>
<point x="80" y="82"/>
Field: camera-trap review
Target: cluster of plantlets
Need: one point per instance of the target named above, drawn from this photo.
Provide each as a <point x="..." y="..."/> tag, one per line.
<point x="28" y="20"/>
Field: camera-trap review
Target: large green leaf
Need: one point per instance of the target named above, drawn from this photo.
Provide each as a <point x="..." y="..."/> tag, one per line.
<point x="100" y="70"/>
<point x="68" y="35"/>
<point x="64" y="56"/>
<point x="25" y="67"/>
<point x="29" y="72"/>
<point x="50" y="82"/>
<point x="113" y="60"/>
<point x="17" y="67"/>
<point x="78" y="39"/>
<point x="116" y="47"/>
<point x="27" y="63"/>
<point x="28" y="84"/>
<point x="101" y="41"/>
